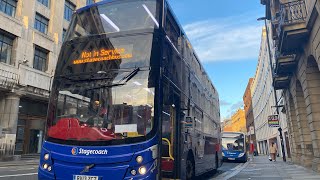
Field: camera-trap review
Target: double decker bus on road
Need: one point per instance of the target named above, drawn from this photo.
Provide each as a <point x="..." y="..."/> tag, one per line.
<point x="130" y="99"/>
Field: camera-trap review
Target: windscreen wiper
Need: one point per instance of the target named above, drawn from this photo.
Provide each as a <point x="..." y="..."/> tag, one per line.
<point x="106" y="86"/>
<point x="130" y="75"/>
<point x="85" y="79"/>
<point x="120" y="83"/>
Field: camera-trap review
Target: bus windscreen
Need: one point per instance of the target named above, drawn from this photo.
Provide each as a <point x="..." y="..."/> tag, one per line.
<point x="86" y="110"/>
<point x="233" y="142"/>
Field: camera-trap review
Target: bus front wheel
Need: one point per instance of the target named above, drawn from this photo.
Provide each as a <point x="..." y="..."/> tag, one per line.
<point x="190" y="169"/>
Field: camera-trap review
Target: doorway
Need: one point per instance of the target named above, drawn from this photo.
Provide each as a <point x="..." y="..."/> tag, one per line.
<point x="170" y="155"/>
<point x="35" y="141"/>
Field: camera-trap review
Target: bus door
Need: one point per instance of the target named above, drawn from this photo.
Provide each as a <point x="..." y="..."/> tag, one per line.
<point x="170" y="156"/>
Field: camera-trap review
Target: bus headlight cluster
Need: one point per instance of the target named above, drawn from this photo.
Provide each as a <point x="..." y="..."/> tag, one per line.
<point x="139" y="159"/>
<point x="142" y="170"/>
<point x="47" y="167"/>
<point x="133" y="172"/>
<point x="46" y="157"/>
<point x="241" y="154"/>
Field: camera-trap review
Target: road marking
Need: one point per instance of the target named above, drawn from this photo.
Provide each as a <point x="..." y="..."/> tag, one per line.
<point x="249" y="170"/>
<point x="237" y="171"/>
<point x="228" y="172"/>
<point x="22" y="169"/>
<point x="15" y="175"/>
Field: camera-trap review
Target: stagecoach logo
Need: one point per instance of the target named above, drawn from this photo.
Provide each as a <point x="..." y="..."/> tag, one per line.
<point x="76" y="151"/>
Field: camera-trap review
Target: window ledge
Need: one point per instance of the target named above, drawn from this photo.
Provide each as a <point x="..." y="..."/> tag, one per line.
<point x="31" y="69"/>
<point x="6" y="64"/>
<point x="43" y="6"/>
<point x="43" y="10"/>
<point x="43" y="35"/>
<point x="12" y="18"/>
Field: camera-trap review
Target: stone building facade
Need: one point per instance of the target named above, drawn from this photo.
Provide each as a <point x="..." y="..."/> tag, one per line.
<point x="31" y="34"/>
<point x="295" y="28"/>
<point x="263" y="101"/>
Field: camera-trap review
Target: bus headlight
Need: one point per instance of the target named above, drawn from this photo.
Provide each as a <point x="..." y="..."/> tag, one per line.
<point x="46" y="157"/>
<point x="133" y="172"/>
<point x="142" y="170"/>
<point x="223" y="154"/>
<point x="45" y="166"/>
<point x="139" y="159"/>
<point x="241" y="154"/>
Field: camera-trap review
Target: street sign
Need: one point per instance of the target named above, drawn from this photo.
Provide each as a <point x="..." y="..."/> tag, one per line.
<point x="273" y="121"/>
<point x="251" y="129"/>
<point x="188" y="122"/>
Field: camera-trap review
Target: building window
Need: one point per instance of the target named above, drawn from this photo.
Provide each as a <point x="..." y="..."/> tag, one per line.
<point x="64" y="32"/>
<point x="90" y="2"/>
<point x="44" y="2"/>
<point x="40" y="59"/>
<point x="41" y="23"/>
<point x="5" y="47"/>
<point x="68" y="10"/>
<point x="8" y="6"/>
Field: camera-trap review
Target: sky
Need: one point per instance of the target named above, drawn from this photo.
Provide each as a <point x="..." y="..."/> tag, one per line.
<point x="226" y="36"/>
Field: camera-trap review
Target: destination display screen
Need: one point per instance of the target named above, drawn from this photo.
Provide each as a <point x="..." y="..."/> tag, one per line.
<point x="105" y="54"/>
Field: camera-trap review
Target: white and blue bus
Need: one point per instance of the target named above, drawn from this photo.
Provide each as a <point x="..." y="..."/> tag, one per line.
<point x="233" y="146"/>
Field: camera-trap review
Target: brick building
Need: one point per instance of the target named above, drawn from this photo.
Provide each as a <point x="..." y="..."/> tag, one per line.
<point x="239" y="121"/>
<point x="227" y="125"/>
<point x="247" y="99"/>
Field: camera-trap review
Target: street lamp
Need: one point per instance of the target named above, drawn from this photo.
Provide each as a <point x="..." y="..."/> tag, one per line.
<point x="274" y="89"/>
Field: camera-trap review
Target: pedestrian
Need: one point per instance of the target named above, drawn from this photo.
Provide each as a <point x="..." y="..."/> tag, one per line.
<point x="273" y="151"/>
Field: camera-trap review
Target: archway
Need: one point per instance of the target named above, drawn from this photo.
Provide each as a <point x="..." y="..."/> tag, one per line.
<point x="295" y="140"/>
<point x="303" y="125"/>
<point x="313" y="105"/>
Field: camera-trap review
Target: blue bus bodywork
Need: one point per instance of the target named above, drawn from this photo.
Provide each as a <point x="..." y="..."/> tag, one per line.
<point x="234" y="156"/>
<point x="110" y="162"/>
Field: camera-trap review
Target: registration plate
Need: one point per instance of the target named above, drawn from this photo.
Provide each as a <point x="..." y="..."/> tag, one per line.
<point x="81" y="177"/>
<point x="231" y="158"/>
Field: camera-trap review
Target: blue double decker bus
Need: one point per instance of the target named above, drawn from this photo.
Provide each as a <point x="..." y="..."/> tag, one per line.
<point x="130" y="99"/>
<point x="234" y="146"/>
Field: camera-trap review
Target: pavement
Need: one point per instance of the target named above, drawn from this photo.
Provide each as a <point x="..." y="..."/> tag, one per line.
<point x="24" y="160"/>
<point x="24" y="169"/>
<point x="263" y="169"/>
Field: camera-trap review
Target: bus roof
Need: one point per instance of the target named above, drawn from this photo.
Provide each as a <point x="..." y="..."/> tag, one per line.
<point x="93" y="5"/>
<point x="231" y="134"/>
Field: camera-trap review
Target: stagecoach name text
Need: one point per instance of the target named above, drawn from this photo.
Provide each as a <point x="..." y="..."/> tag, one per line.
<point x="103" y="55"/>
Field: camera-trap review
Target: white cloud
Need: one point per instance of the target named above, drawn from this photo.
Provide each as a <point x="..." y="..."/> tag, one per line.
<point x="224" y="103"/>
<point x="228" y="111"/>
<point x="231" y="38"/>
